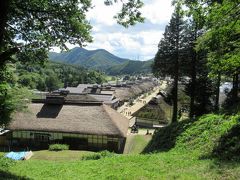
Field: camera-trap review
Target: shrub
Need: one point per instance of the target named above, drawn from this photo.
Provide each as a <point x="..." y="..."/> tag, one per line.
<point x="99" y="155"/>
<point x="58" y="147"/>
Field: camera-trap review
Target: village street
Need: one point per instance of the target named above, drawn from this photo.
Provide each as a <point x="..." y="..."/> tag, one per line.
<point x="127" y="110"/>
<point x="137" y="142"/>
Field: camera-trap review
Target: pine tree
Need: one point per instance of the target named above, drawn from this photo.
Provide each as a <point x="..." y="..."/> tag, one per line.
<point x="167" y="59"/>
<point x="195" y="66"/>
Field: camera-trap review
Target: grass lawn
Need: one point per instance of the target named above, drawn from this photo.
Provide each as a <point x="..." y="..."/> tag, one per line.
<point x="66" y="155"/>
<point x="59" y="155"/>
<point x="170" y="165"/>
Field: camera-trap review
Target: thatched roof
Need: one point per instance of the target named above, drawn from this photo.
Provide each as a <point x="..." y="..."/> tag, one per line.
<point x="124" y="93"/>
<point x="95" y="119"/>
<point x="102" y="98"/>
<point x="80" y="98"/>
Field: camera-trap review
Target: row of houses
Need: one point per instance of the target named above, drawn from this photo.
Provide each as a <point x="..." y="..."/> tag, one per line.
<point x="115" y="93"/>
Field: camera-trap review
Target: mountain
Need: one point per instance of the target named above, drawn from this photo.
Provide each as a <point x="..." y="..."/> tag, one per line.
<point x="131" y="67"/>
<point x="101" y="59"/>
<point x="94" y="59"/>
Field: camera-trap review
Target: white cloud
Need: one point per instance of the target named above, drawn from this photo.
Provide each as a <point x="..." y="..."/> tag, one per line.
<point x="138" y="42"/>
<point x="142" y="45"/>
<point x="100" y="13"/>
<point x="158" y="11"/>
<point x="134" y="43"/>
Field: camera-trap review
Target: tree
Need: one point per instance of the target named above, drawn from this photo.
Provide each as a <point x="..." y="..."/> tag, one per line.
<point x="193" y="30"/>
<point x="194" y="64"/>
<point x="167" y="59"/>
<point x="41" y="24"/>
<point x="11" y="97"/>
<point x="222" y="43"/>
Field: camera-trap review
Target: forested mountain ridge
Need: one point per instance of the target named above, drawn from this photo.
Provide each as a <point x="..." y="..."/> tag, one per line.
<point x="95" y="59"/>
<point x="101" y="59"/>
<point x="131" y="67"/>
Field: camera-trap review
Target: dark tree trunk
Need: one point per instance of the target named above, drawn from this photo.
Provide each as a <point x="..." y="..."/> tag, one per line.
<point x="176" y="75"/>
<point x="175" y="83"/>
<point x="175" y="93"/>
<point x="193" y="84"/>
<point x="235" y="88"/>
<point x="4" y="6"/>
<point x="216" y="105"/>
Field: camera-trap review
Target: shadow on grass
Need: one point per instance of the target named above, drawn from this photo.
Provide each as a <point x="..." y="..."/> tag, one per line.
<point x="164" y="139"/>
<point x="228" y="146"/>
<point x="7" y="175"/>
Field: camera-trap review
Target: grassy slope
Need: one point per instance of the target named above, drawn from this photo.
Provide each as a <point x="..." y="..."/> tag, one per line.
<point x="191" y="153"/>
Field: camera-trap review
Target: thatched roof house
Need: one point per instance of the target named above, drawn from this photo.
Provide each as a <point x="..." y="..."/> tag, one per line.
<point x="153" y="114"/>
<point x="81" y="124"/>
<point x="96" y="119"/>
<point x="125" y="93"/>
<point x="102" y="94"/>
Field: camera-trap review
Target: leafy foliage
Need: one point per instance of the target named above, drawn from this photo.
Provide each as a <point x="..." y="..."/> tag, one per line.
<point x="130" y="13"/>
<point x="56" y="75"/>
<point x="222" y="38"/>
<point x="28" y="29"/>
<point x="99" y="155"/>
<point x="12" y="97"/>
<point x="58" y="147"/>
<point x="43" y="25"/>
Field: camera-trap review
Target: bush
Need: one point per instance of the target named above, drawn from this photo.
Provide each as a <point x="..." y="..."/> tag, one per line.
<point x="99" y="155"/>
<point x="58" y="147"/>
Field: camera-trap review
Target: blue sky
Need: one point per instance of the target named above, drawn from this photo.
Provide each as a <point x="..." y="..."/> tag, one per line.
<point x="138" y="42"/>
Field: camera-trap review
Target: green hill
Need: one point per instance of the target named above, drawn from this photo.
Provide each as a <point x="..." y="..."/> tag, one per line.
<point x="94" y="59"/>
<point x="101" y="59"/>
<point x="131" y="67"/>
<point x="211" y="136"/>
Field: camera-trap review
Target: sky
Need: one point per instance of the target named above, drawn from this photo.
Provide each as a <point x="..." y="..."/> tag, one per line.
<point x="137" y="42"/>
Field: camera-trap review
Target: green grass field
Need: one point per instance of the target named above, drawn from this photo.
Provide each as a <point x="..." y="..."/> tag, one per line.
<point x="66" y="155"/>
<point x="170" y="165"/>
<point x="204" y="149"/>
